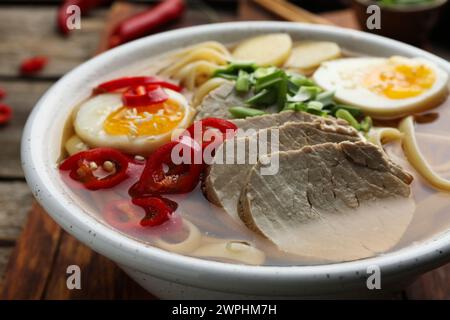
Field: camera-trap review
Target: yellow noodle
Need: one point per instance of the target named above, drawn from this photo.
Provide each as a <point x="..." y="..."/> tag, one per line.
<point x="416" y="158"/>
<point x="199" y="71"/>
<point x="380" y="136"/>
<point x="192" y="241"/>
<point x="74" y="145"/>
<point x="200" y="54"/>
<point x="214" y="45"/>
<point x="206" y="88"/>
<point x="235" y="250"/>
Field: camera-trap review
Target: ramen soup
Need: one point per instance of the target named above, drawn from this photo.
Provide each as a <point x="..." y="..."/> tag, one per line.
<point x="267" y="152"/>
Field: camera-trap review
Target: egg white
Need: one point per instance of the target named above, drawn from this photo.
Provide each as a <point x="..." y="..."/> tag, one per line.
<point x="91" y="115"/>
<point x="345" y="77"/>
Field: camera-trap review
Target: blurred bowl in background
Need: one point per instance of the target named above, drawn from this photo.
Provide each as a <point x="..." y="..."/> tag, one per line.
<point x="410" y="23"/>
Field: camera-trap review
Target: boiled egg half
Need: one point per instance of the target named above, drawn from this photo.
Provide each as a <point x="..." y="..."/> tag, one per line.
<point x="385" y="87"/>
<point x="103" y="121"/>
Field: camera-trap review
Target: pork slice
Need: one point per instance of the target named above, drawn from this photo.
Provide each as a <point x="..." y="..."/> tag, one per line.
<point x="225" y="178"/>
<point x="274" y="120"/>
<point x="331" y="202"/>
<point x="278" y="119"/>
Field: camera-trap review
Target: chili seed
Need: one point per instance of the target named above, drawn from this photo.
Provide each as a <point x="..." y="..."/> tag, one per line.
<point x="139" y="158"/>
<point x="109" y="166"/>
<point x="93" y="165"/>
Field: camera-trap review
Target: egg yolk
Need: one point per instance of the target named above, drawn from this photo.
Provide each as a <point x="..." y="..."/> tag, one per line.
<point x="400" y="80"/>
<point x="145" y="121"/>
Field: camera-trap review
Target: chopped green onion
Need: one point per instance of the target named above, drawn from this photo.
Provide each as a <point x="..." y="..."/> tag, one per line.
<point x="244" y="112"/>
<point x="233" y="69"/>
<point x="355" y="112"/>
<point x="347" y="116"/>
<point x="289" y="107"/>
<point x="227" y="76"/>
<point x="263" y="98"/>
<point x="300" y="80"/>
<point x="366" y="124"/>
<point x="282" y="93"/>
<point x="300" y="106"/>
<point x="243" y="81"/>
<point x="325" y="97"/>
<point x="262" y="72"/>
<point x="316" y="105"/>
<point x="269" y="80"/>
<point x="305" y="93"/>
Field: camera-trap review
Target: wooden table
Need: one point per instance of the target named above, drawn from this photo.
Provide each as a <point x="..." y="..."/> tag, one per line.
<point x="29" y="30"/>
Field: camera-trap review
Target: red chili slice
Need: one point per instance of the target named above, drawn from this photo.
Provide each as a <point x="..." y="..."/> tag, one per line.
<point x="126" y="82"/>
<point x="162" y="176"/>
<point x="33" y="65"/>
<point x="224" y="126"/>
<point x="157" y="210"/>
<point x="5" y="113"/>
<point x="144" y="96"/>
<point x="94" y="177"/>
<point x="130" y="216"/>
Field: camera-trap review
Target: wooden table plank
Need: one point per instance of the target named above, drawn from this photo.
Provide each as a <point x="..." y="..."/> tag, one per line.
<point x="31" y="31"/>
<point x="100" y="278"/>
<point x="30" y="265"/>
<point x="342" y="18"/>
<point x="15" y="203"/>
<point x="5" y="252"/>
<point x="22" y="96"/>
<point x="432" y="285"/>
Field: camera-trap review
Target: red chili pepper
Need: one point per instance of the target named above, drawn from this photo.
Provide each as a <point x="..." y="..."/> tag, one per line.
<point x="89" y="168"/>
<point x="157" y="210"/>
<point x="224" y="126"/>
<point x="5" y="113"/>
<point x="2" y="93"/>
<point x="146" y="21"/>
<point x="33" y="65"/>
<point x="126" y="82"/>
<point x="162" y="176"/>
<point x="130" y="216"/>
<point x="64" y="13"/>
<point x="144" y="96"/>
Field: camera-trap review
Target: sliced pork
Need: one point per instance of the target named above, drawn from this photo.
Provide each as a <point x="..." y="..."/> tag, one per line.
<point x="234" y="159"/>
<point x="333" y="202"/>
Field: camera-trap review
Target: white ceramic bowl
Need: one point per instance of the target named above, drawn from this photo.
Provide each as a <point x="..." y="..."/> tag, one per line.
<point x="170" y="275"/>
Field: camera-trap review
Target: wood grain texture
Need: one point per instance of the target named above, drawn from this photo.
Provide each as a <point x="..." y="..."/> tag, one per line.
<point x="15" y="203"/>
<point x="432" y="285"/>
<point x="100" y="278"/>
<point x="5" y="252"/>
<point x="30" y="265"/>
<point x="32" y="31"/>
<point x="21" y="96"/>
